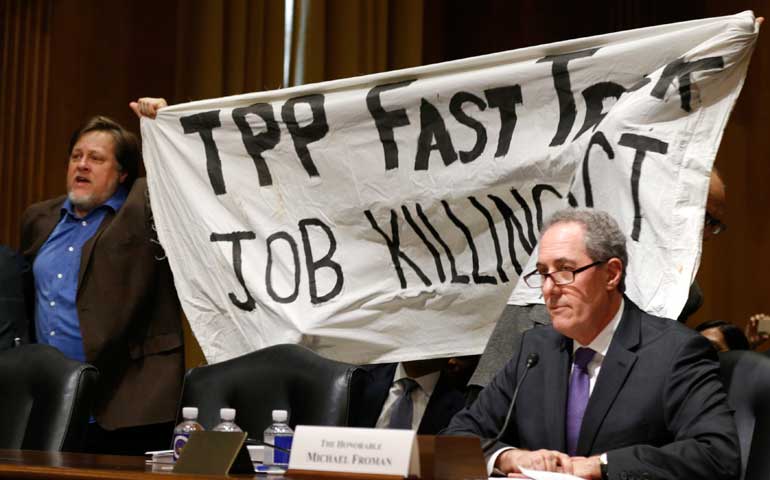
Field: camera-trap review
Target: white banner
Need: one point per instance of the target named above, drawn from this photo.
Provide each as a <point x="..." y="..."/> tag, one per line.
<point x="389" y="217"/>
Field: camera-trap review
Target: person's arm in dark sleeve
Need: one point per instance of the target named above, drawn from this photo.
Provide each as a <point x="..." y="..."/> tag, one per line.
<point x="705" y="439"/>
<point x="12" y="308"/>
<point x="486" y="415"/>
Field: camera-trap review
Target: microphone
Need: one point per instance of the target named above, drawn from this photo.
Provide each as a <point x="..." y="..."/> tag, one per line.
<point x="532" y="360"/>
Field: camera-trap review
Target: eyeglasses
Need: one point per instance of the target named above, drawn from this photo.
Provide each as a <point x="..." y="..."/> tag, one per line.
<point x="714" y="225"/>
<point x="560" y="277"/>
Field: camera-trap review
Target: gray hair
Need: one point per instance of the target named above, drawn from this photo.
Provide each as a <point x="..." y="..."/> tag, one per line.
<point x="603" y="237"/>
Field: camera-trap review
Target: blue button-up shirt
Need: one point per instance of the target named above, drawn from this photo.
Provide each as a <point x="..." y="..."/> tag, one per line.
<point x="56" y="269"/>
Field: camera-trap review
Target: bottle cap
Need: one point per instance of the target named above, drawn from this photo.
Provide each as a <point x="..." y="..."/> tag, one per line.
<point x="190" y="413"/>
<point x="227" y="414"/>
<point x="280" y="416"/>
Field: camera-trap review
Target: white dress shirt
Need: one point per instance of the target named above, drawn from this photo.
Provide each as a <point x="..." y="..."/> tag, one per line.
<point x="600" y="344"/>
<point x="420" y="396"/>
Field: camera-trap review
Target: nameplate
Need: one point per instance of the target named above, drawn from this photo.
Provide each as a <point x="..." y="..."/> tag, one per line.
<point x="355" y="450"/>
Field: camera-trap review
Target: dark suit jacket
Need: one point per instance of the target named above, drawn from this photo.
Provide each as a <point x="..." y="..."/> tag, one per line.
<point x="444" y="402"/>
<point x="12" y="316"/>
<point x="506" y="338"/>
<point x="128" y="311"/>
<point x="658" y="408"/>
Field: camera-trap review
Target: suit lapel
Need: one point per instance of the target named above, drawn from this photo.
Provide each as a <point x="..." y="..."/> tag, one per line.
<point x="557" y="377"/>
<point x="434" y="408"/>
<point x="379" y="381"/>
<point x="615" y="368"/>
<point x="47" y="222"/>
<point x="443" y="403"/>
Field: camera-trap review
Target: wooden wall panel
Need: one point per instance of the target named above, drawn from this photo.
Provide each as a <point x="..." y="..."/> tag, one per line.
<point x="98" y="66"/>
<point x="24" y="63"/>
<point x="459" y="29"/>
<point x="64" y="61"/>
<point x="734" y="265"/>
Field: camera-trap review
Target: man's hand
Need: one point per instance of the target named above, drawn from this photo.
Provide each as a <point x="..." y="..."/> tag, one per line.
<point x="147" y="106"/>
<point x="590" y="467"/>
<point x="755" y="337"/>
<point x="548" y="460"/>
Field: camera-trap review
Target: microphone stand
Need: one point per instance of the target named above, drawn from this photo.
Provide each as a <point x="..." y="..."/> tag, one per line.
<point x="532" y="360"/>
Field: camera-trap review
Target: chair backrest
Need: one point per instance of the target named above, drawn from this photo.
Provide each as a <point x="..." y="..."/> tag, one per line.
<point x="45" y="399"/>
<point x="747" y="378"/>
<point x="315" y="390"/>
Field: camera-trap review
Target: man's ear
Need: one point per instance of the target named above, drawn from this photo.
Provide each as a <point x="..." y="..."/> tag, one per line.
<point x="122" y="177"/>
<point x="615" y="271"/>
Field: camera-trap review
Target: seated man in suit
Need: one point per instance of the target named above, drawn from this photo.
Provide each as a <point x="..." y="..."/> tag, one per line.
<point x="422" y="395"/>
<point x="616" y="393"/>
<point x="516" y="319"/>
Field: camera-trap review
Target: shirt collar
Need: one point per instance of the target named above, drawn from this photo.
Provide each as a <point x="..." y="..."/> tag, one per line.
<point x="601" y="343"/>
<point x="427" y="382"/>
<point x="114" y="202"/>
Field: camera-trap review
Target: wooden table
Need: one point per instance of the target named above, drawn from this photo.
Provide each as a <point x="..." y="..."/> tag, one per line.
<point x="441" y="458"/>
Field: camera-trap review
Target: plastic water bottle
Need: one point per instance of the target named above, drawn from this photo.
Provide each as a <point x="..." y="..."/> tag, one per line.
<point x="280" y="435"/>
<point x="227" y="424"/>
<point x="183" y="430"/>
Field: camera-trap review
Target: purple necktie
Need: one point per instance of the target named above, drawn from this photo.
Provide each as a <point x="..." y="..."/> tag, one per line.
<point x="579" y="388"/>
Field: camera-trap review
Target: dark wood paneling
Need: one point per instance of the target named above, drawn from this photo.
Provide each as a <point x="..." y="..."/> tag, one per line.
<point x="103" y="55"/>
<point x="459" y="29"/>
<point x="734" y="264"/>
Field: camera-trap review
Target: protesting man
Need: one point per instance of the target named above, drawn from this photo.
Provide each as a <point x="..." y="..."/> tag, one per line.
<point x="103" y="291"/>
<point x="611" y="391"/>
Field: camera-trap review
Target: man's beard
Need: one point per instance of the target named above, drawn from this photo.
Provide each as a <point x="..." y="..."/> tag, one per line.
<point x="83" y="202"/>
<point x="88" y="201"/>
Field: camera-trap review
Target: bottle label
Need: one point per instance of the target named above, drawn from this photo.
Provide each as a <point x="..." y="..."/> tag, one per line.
<point x="180" y="440"/>
<point x="268" y="458"/>
<point x="284" y="442"/>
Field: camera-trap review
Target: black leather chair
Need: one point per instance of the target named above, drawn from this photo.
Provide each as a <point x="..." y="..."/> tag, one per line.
<point x="747" y="378"/>
<point x="45" y="399"/>
<point x="315" y="390"/>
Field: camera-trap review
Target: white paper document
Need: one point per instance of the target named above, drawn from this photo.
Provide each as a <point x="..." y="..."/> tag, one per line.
<point x="540" y="475"/>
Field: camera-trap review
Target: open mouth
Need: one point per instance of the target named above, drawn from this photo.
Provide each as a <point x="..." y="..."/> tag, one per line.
<point x="81" y="180"/>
